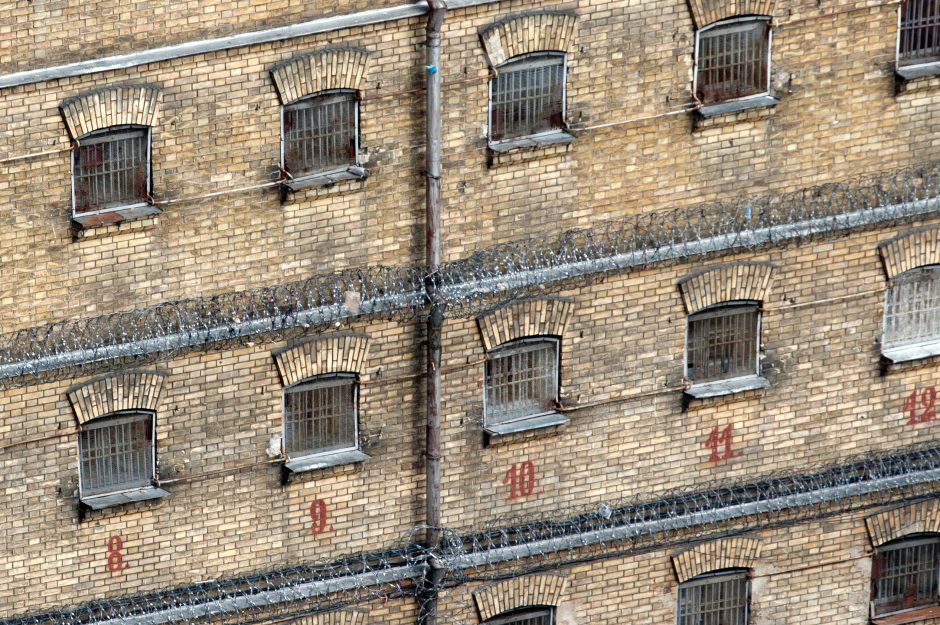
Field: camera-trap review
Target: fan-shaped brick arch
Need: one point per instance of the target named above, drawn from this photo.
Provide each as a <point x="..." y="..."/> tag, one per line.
<point x="729" y="553"/>
<point x="726" y="283"/>
<point x="923" y="516"/>
<point x="519" y="592"/>
<point x="322" y="70"/>
<point x="540" y="31"/>
<point x="910" y="250"/>
<point x="130" y="390"/>
<point x="537" y="317"/>
<point x="705" y="12"/>
<point x="332" y="353"/>
<point x="111" y="106"/>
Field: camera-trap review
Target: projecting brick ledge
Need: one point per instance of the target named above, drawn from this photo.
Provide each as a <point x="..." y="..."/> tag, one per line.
<point x="525" y="33"/>
<point x="130" y="390"/>
<point x="519" y="592"/>
<point x="339" y="617"/>
<point x="728" y="553"/>
<point x="726" y="283"/>
<point x="322" y="70"/>
<point x="332" y="353"/>
<point x="539" y="317"/>
<point x="111" y="106"/>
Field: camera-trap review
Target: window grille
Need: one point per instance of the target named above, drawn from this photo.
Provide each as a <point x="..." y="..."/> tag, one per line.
<point x="527" y="97"/>
<point x="111" y="169"/>
<point x="904" y="575"/>
<point x="527" y="616"/>
<point x="723" y="342"/>
<point x="912" y="308"/>
<point x="919" y="36"/>
<point x="732" y="60"/>
<point x="718" y="599"/>
<point x="116" y="453"/>
<point x="320" y="416"/>
<point x="321" y="134"/>
<point x="521" y="380"/>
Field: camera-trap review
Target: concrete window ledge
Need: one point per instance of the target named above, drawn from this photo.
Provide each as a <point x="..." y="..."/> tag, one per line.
<point x="906" y="73"/>
<point x="115" y="216"/>
<point x="533" y="142"/>
<point x="524" y="425"/>
<point x="324" y="461"/>
<point x="109" y="500"/>
<point x="915" y="615"/>
<point x="735" y="106"/>
<point x="326" y="179"/>
<point x="907" y="353"/>
<point x="719" y="388"/>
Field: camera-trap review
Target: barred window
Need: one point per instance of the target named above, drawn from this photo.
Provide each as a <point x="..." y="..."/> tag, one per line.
<point x="521" y="380"/>
<point x="722" y="342"/>
<point x="714" y="599"/>
<point x="919" y="37"/>
<point x="320" y="415"/>
<point x="111" y="169"/>
<point x="321" y="133"/>
<point x="912" y="308"/>
<point x="116" y="453"/>
<point x="526" y="616"/>
<point x="527" y="96"/>
<point x="732" y="60"/>
<point x="904" y="575"/>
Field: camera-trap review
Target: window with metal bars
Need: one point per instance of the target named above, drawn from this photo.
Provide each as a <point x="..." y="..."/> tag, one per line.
<point x="521" y="379"/>
<point x="732" y="60"/>
<point x="116" y="453"/>
<point x="719" y="598"/>
<point x="723" y="342"/>
<point x="320" y="133"/>
<point x="904" y="575"/>
<point x="919" y="32"/>
<point x="111" y="169"/>
<point x="320" y="415"/>
<point x="912" y="308"/>
<point x="527" y="96"/>
<point x="526" y="616"/>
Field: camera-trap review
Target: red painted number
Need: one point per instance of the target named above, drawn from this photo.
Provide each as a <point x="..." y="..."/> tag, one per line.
<point x="116" y="562"/>
<point x="928" y="400"/>
<point x="521" y="480"/>
<point x="719" y="442"/>
<point x="318" y="517"/>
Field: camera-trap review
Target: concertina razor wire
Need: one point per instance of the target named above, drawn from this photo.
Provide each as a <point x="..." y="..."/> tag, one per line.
<point x="560" y="538"/>
<point x="497" y="274"/>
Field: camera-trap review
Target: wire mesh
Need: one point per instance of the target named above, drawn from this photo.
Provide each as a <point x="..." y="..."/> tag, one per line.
<point x="561" y="538"/>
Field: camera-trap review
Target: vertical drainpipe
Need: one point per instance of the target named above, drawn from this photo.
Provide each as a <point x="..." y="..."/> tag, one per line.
<point x="428" y="594"/>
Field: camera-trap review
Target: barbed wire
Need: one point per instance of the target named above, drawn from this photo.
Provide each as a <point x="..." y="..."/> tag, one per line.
<point x="562" y="537"/>
<point x="497" y="274"/>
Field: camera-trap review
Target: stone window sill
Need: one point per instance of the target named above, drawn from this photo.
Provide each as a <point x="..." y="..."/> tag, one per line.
<point x="906" y="73"/>
<point x="324" y="461"/>
<point x="735" y="106"/>
<point x="532" y="142"/>
<point x="537" y="422"/>
<point x="325" y="179"/>
<point x="719" y="388"/>
<point x="907" y="353"/>
<point x="908" y="616"/>
<point x="109" y="500"/>
<point x="115" y="216"/>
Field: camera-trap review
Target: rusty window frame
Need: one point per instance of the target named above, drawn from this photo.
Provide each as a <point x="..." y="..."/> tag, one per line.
<point x="533" y="615"/>
<point x="505" y="361"/>
<point x="912" y="308"/>
<point x="918" y="38"/>
<point x="905" y="575"/>
<point x="117" y="452"/>
<point x="326" y="419"/>
<point x="726" y="337"/>
<point x="743" y="47"/>
<point x="113" y="166"/>
<point x="719" y="598"/>
<point x="324" y="128"/>
<point x="533" y="87"/>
